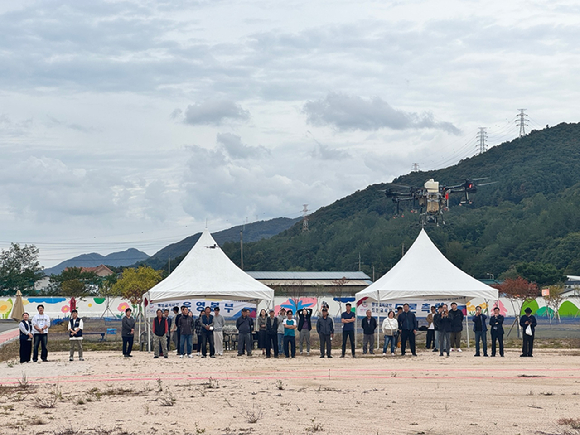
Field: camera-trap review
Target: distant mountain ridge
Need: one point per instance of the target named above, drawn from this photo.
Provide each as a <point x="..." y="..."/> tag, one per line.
<point x="252" y="232"/>
<point x="121" y="258"/>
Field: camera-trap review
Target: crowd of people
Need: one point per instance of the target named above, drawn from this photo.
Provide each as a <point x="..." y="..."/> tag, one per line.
<point x="276" y="334"/>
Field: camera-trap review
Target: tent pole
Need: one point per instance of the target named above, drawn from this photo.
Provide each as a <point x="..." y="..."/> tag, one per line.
<point x="378" y="321"/>
<point x="147" y="326"/>
<point x="467" y="325"/>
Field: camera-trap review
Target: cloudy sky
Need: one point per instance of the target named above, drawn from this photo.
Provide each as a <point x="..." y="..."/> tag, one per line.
<point x="132" y="123"/>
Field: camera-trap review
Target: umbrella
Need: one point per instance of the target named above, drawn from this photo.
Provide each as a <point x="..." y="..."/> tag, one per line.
<point x="18" y="308"/>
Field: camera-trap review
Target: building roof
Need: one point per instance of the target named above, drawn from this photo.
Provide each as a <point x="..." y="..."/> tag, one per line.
<point x="310" y="276"/>
<point x="101" y="270"/>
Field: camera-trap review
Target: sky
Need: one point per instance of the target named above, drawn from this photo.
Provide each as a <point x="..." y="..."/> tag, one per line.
<point x="138" y="123"/>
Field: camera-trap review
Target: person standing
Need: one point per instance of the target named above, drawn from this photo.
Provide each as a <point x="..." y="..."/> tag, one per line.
<point x="430" y="340"/>
<point x="160" y="328"/>
<point x="289" y="335"/>
<point x="168" y="335"/>
<point x="175" y="328"/>
<point x="347" y="319"/>
<point x="528" y="338"/>
<point x="245" y="326"/>
<point x="127" y="333"/>
<point x="281" y="329"/>
<point x="480" y="329"/>
<point x="444" y="332"/>
<point x="456" y="317"/>
<point x="436" y="323"/>
<point x="186" y="327"/>
<point x="496" y="326"/>
<point x="325" y="329"/>
<point x="26" y="337"/>
<point x="75" y="332"/>
<point x="390" y="330"/>
<point x="40" y="324"/>
<point x="261" y="321"/>
<point x="408" y="328"/>
<point x="272" y="335"/>
<point x="369" y="326"/>
<point x="207" y="333"/>
<point x="304" y="328"/>
<point x="218" y="331"/>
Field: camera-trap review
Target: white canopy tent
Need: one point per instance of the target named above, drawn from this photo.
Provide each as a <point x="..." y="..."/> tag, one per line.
<point x="207" y="273"/>
<point x="424" y="273"/>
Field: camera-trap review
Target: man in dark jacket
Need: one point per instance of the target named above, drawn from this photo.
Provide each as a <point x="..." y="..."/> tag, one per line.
<point x="436" y="323"/>
<point x="160" y="328"/>
<point x="245" y="325"/>
<point x="480" y="329"/>
<point x="176" y="317"/>
<point x="456" y="317"/>
<point x="304" y="327"/>
<point x="272" y="335"/>
<point x="408" y="328"/>
<point x="369" y="325"/>
<point x="325" y="328"/>
<point x="207" y="333"/>
<point x="496" y="326"/>
<point x="528" y="340"/>
<point x="127" y="333"/>
<point x="186" y="329"/>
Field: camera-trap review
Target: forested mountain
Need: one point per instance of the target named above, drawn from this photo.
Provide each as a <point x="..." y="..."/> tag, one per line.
<point x="531" y="213"/>
<point x="252" y="232"/>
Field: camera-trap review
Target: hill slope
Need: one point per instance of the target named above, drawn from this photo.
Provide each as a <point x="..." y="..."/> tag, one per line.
<point x="253" y="232"/>
<point x="123" y="258"/>
<point x="532" y="213"/>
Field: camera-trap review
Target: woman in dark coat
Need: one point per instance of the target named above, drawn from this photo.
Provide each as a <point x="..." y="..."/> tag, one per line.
<point x="262" y="333"/>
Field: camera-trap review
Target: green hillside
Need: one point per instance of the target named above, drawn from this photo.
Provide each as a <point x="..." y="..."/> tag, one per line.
<point x="532" y="213"/>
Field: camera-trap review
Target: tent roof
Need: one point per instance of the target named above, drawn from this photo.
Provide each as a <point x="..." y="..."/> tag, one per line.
<point x="425" y="273"/>
<point x="206" y="272"/>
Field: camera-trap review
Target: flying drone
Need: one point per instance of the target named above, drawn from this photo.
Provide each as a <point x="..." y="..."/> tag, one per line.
<point x="433" y="198"/>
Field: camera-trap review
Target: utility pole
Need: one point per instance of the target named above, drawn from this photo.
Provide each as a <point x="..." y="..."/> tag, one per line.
<point x="482" y="137"/>
<point x="242" y="248"/>
<point x="415" y="167"/>
<point x="522" y="121"/>
<point x="359" y="261"/>
<point x="305" y="218"/>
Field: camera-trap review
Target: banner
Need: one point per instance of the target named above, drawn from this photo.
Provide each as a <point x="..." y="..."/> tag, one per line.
<point x="420" y="308"/>
<point x="228" y="309"/>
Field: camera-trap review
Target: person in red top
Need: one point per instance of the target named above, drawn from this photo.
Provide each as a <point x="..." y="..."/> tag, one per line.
<point x="160" y="330"/>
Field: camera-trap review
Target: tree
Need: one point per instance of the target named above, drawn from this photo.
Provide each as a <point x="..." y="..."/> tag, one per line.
<point x="554" y="300"/>
<point x="19" y="269"/>
<point x="74" y="282"/>
<point x="541" y="273"/>
<point x="134" y="283"/>
<point x="338" y="291"/>
<point x="518" y="291"/>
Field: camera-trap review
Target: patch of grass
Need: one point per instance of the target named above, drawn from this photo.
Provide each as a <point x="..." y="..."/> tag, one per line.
<point x="254" y="415"/>
<point x="574" y="423"/>
<point x="315" y="426"/>
<point x="280" y="384"/>
<point x="168" y="399"/>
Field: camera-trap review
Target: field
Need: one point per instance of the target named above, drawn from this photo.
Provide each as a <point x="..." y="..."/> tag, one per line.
<point x="109" y="394"/>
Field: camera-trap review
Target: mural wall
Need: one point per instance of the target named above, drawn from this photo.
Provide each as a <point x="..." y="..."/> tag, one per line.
<point x="95" y="307"/>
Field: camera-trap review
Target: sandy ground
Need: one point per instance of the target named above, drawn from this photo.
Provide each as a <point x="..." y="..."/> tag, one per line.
<point x="109" y="394"/>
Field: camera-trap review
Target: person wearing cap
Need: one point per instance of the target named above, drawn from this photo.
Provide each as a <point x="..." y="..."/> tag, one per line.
<point x="75" y="332"/>
<point x="272" y="334"/>
<point x="496" y="326"/>
<point x="218" y="331"/>
<point x="528" y="339"/>
<point x="245" y="326"/>
<point x="325" y="329"/>
<point x="347" y="319"/>
<point x="160" y="328"/>
<point x="281" y="318"/>
<point x="456" y="317"/>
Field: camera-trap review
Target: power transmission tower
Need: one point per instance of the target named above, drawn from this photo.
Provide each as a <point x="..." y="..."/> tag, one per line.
<point x="522" y="121"/>
<point x="482" y="137"/>
<point x="305" y="218"/>
<point x="415" y="167"/>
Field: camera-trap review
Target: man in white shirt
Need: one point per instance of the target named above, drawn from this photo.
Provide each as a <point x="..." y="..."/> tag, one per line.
<point x="40" y="325"/>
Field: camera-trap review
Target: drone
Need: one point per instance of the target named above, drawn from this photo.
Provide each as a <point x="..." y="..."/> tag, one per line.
<point x="432" y="198"/>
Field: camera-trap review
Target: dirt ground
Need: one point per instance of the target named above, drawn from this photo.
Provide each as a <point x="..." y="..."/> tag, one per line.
<point x="109" y="394"/>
